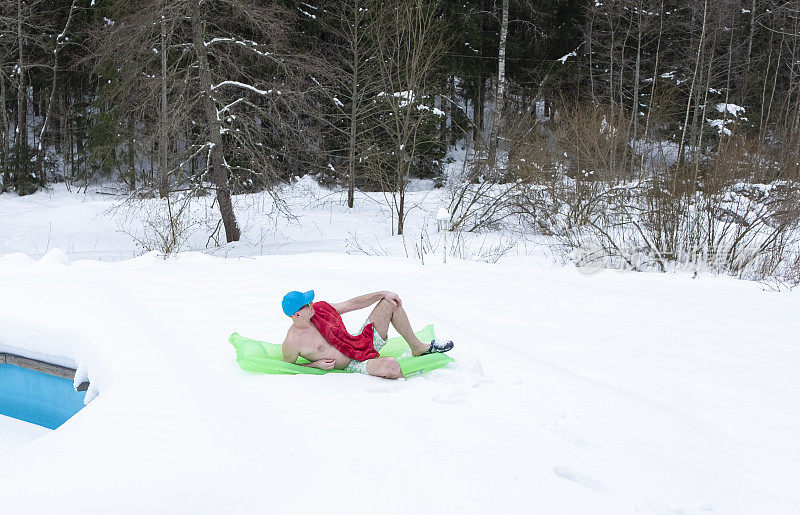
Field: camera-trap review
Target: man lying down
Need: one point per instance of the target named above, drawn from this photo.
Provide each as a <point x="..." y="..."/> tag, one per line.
<point x="318" y="334"/>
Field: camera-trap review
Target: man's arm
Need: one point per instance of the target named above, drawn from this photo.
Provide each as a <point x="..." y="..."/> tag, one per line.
<point x="289" y="351"/>
<point x="366" y="300"/>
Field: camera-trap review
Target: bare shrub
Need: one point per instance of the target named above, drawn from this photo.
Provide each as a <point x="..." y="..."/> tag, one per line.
<point x="491" y="188"/>
<point x="163" y="225"/>
<point x="697" y="215"/>
<point x="593" y="141"/>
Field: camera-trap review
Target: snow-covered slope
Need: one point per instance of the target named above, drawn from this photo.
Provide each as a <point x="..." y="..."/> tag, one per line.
<point x="612" y="393"/>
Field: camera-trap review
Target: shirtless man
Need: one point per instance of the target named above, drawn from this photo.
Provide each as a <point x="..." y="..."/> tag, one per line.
<point x="304" y="339"/>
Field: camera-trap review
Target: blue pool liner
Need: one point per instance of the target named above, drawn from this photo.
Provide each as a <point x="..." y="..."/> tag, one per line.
<point x="36" y="397"/>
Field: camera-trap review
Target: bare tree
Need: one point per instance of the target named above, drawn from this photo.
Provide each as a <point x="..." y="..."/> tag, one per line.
<point x="407" y="58"/>
<point x="223" y="85"/>
<point x="353" y="54"/>
<point x="163" y="133"/>
<point x="59" y="41"/>
<point x="24" y="25"/>
<point x="219" y="173"/>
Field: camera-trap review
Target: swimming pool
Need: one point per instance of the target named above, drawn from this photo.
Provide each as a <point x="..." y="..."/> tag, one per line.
<point x="36" y="397"/>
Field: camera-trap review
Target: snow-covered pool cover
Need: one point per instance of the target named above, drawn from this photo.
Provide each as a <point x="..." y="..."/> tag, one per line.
<point x="36" y="397"/>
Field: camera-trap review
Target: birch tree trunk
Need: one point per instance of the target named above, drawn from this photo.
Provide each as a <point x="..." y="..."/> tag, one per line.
<point x="218" y="173"/>
<point x="501" y="86"/>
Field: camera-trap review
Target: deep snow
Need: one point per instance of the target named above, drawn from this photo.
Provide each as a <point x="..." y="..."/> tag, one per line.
<point x="618" y="392"/>
<point x="14" y="433"/>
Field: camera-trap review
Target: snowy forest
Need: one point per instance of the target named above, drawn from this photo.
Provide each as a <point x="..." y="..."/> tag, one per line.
<point x="399" y="256"/>
<point x="643" y="132"/>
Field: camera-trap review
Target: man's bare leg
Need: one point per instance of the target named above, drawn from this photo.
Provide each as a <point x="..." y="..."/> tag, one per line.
<point x="386" y="312"/>
<point x="388" y="368"/>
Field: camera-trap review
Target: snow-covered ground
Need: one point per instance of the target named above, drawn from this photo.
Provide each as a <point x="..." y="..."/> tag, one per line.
<point x="95" y="225"/>
<point x="14" y="433"/>
<point x="617" y="392"/>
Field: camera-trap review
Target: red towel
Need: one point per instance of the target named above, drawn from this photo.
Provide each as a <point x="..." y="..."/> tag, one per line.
<point x="329" y="323"/>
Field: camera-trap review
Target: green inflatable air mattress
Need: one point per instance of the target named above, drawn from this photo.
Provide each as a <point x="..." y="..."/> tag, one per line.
<point x="256" y="356"/>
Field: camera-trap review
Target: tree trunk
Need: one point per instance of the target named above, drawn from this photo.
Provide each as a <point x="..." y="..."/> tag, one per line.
<point x="351" y="157"/>
<point x="692" y="86"/>
<point x="131" y="154"/>
<point x="163" y="140"/>
<point x="774" y="84"/>
<point x="501" y="85"/>
<point x="703" y="117"/>
<point x="477" y="112"/>
<point x="764" y="86"/>
<point x="4" y="144"/>
<point x="695" y="125"/>
<point x="746" y="75"/>
<point x="452" y="110"/>
<point x="636" y="85"/>
<point x="728" y="78"/>
<point x="218" y="172"/>
<point x="401" y="209"/>
<point x="63" y="128"/>
<point x="21" y="139"/>
<point x="69" y="148"/>
<point x="590" y="52"/>
<point x="619" y="164"/>
<point x="49" y="108"/>
<point x="611" y="98"/>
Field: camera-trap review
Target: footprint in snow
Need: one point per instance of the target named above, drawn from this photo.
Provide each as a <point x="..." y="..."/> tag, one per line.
<point x="580" y="479"/>
<point x="569" y="436"/>
<point x="452" y="397"/>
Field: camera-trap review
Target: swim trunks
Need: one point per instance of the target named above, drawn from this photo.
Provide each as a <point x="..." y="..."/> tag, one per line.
<point x="360" y="367"/>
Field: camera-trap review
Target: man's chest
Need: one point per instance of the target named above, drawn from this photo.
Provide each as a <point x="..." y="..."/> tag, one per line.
<point x="312" y="342"/>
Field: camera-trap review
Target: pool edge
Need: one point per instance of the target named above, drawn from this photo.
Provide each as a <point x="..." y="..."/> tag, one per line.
<point x="42" y="366"/>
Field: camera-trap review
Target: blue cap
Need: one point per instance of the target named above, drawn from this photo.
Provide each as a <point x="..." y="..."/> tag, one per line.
<point x="294" y="300"/>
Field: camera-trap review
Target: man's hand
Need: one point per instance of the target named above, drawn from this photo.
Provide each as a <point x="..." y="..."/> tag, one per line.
<point x="323" y="364"/>
<point x="393" y="298"/>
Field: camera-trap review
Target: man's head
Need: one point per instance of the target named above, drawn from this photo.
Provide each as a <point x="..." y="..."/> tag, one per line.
<point x="294" y="304"/>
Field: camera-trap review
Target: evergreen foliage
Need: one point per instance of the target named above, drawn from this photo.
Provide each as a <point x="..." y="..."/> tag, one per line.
<point x="659" y="68"/>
